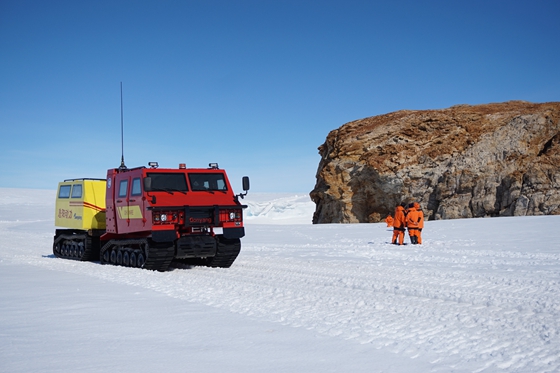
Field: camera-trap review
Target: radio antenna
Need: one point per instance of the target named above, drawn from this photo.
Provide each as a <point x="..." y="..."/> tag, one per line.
<point x="122" y="166"/>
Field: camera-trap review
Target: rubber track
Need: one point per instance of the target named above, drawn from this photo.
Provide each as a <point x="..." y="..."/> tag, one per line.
<point x="158" y="256"/>
<point x="91" y="251"/>
<point x="226" y="253"/>
<point x="92" y="248"/>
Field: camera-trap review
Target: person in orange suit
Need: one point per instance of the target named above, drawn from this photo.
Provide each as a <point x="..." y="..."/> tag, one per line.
<point x="414" y="219"/>
<point x="399" y="225"/>
<point x="389" y="220"/>
<point x="420" y="222"/>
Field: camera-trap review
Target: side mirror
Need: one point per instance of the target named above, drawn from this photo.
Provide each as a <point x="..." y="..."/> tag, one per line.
<point x="147" y="184"/>
<point x="245" y="182"/>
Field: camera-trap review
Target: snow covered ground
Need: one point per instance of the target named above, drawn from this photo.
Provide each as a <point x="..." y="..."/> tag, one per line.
<point x="480" y="295"/>
<point x="278" y="208"/>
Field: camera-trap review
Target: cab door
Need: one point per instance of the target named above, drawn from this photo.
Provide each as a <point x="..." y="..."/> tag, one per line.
<point x="136" y="204"/>
<point x="122" y="182"/>
<point x="129" y="202"/>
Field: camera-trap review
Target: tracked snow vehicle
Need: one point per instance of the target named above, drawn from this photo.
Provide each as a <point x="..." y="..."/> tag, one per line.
<point x="147" y="217"/>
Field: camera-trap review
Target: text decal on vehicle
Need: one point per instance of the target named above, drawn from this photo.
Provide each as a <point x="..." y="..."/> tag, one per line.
<point x="193" y="220"/>
<point x="129" y="212"/>
<point x="64" y="214"/>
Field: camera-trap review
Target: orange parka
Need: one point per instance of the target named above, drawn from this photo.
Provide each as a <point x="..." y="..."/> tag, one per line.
<point x="389" y="221"/>
<point x="414" y="218"/>
<point x="399" y="222"/>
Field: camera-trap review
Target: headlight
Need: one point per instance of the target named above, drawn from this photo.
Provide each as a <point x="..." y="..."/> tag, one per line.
<point x="231" y="215"/>
<point x="163" y="217"/>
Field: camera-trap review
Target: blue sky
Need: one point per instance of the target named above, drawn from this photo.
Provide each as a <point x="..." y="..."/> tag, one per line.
<point x="253" y="85"/>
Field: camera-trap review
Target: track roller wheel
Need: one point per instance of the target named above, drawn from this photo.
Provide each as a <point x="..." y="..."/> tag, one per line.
<point x="113" y="257"/>
<point x="140" y="260"/>
<point x="81" y="250"/>
<point x="105" y="258"/>
<point x="119" y="257"/>
<point x="74" y="250"/>
<point x="125" y="258"/>
<point x="56" y="249"/>
<point x="132" y="261"/>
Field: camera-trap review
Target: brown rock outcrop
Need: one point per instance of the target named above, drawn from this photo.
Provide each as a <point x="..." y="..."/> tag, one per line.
<point x="465" y="161"/>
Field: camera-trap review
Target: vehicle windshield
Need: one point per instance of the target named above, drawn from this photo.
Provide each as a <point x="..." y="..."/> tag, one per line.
<point x="208" y="182"/>
<point x="168" y="181"/>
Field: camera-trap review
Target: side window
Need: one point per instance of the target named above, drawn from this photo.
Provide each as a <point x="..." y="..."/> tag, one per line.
<point x="123" y="186"/>
<point x="64" y="191"/>
<point x="77" y="191"/>
<point x="136" y="188"/>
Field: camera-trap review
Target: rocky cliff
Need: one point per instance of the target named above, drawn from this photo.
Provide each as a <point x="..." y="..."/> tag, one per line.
<point x="465" y="161"/>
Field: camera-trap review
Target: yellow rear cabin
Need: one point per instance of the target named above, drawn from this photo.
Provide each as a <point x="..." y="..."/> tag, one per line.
<point x="80" y="204"/>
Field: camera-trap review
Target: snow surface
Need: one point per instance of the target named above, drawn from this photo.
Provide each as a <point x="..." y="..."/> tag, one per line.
<point x="480" y="295"/>
<point x="278" y="208"/>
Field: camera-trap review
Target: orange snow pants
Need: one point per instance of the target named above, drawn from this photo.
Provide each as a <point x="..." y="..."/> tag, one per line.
<point x="398" y="233"/>
<point x="415" y="232"/>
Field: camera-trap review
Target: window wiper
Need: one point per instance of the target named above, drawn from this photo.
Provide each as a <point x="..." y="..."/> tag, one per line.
<point x="168" y="190"/>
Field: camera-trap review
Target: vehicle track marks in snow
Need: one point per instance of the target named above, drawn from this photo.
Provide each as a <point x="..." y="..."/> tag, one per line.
<point x="459" y="300"/>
